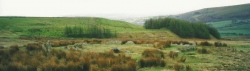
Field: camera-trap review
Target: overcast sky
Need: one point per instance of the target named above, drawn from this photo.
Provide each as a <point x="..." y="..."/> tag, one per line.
<point x="107" y="8"/>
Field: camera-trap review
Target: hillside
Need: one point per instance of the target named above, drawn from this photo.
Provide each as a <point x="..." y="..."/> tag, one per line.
<point x="54" y="26"/>
<point x="217" y="14"/>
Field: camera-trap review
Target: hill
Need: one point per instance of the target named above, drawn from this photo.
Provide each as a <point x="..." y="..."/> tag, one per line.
<point x="229" y="20"/>
<point x="54" y="27"/>
<point x="217" y="14"/>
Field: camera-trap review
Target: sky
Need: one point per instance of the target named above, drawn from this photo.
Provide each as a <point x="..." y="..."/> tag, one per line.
<point x="107" y="8"/>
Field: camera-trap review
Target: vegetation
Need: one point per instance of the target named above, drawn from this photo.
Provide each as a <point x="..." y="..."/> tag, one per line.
<point x="183" y="28"/>
<point x="55" y="26"/>
<point x="217" y="14"/>
<point x="95" y="31"/>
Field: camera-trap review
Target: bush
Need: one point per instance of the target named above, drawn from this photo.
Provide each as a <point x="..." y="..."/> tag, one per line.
<point x="13" y="49"/>
<point x="162" y="44"/>
<point x="224" y="45"/>
<point x="178" y="66"/>
<point x="34" y="46"/>
<point x="1" y="47"/>
<point x="188" y="68"/>
<point x="151" y="61"/>
<point x="203" y="50"/>
<point x="153" y="53"/>
<point x="173" y="54"/>
<point x="182" y="60"/>
<point x="206" y="43"/>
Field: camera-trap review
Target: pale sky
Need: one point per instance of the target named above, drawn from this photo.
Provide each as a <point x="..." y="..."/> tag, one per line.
<point x="107" y="8"/>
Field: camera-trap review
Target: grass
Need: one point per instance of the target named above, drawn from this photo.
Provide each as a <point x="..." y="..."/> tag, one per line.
<point x="52" y="26"/>
<point x="224" y="27"/>
<point x="15" y="27"/>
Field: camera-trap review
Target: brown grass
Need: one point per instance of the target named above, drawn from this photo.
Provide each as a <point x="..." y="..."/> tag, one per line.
<point x="153" y="53"/>
<point x="203" y="50"/>
<point x="182" y="59"/>
<point x="206" y="43"/>
<point x="124" y="42"/>
<point x="151" y="61"/>
<point x="173" y="54"/>
<point x="13" y="49"/>
<point x="162" y="44"/>
<point x="188" y="68"/>
<point x="178" y="66"/>
<point x="34" y="46"/>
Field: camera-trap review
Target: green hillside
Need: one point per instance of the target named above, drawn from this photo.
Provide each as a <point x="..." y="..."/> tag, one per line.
<point x="229" y="28"/>
<point x="229" y="20"/>
<point x="53" y="26"/>
<point x="217" y="14"/>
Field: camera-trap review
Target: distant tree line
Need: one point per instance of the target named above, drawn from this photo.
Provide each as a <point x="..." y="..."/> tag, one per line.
<point x="91" y="31"/>
<point x="183" y="28"/>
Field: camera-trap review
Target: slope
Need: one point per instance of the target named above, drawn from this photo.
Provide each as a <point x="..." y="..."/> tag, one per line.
<point x="217" y="14"/>
<point x="54" y="26"/>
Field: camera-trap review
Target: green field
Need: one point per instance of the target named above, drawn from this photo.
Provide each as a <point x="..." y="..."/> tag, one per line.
<point x="227" y="28"/>
<point x="52" y="26"/>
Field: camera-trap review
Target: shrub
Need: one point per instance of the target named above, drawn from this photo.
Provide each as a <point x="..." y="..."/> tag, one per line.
<point x="131" y="65"/>
<point x="162" y="44"/>
<point x="224" y="45"/>
<point x="188" y="68"/>
<point x="183" y="59"/>
<point x="151" y="61"/>
<point x="206" y="43"/>
<point x="13" y="49"/>
<point x="85" y="62"/>
<point x="217" y="44"/>
<point x="1" y="47"/>
<point x="153" y="53"/>
<point x="58" y="53"/>
<point x="178" y="66"/>
<point x="173" y="54"/>
<point x="203" y="50"/>
<point x="124" y="42"/>
<point x="34" y="46"/>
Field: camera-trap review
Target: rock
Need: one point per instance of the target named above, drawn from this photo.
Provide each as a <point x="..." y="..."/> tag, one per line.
<point x="113" y="42"/>
<point x="130" y="42"/>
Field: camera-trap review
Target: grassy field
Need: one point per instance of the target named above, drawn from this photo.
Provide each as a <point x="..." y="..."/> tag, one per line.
<point x="139" y="49"/>
<point x="211" y="58"/>
<point x="54" y="26"/>
<point x="229" y="29"/>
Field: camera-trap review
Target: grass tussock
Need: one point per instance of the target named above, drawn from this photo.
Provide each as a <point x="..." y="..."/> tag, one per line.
<point x="153" y="53"/>
<point x="203" y="50"/>
<point x="60" y="60"/>
<point x="151" y="61"/>
<point x="182" y="59"/>
<point x="13" y="49"/>
<point x="152" y="57"/>
<point x="178" y="66"/>
<point x="206" y="43"/>
<point x="173" y="54"/>
<point x="34" y="46"/>
<point x="219" y="44"/>
<point x="162" y="44"/>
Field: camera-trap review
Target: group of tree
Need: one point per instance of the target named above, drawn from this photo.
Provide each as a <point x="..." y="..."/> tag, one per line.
<point x="91" y="31"/>
<point x="183" y="28"/>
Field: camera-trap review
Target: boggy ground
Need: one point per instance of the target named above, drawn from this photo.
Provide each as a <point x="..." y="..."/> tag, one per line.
<point x="232" y="57"/>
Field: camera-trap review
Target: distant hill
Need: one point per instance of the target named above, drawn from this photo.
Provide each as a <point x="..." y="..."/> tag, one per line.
<point x="217" y="14"/>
